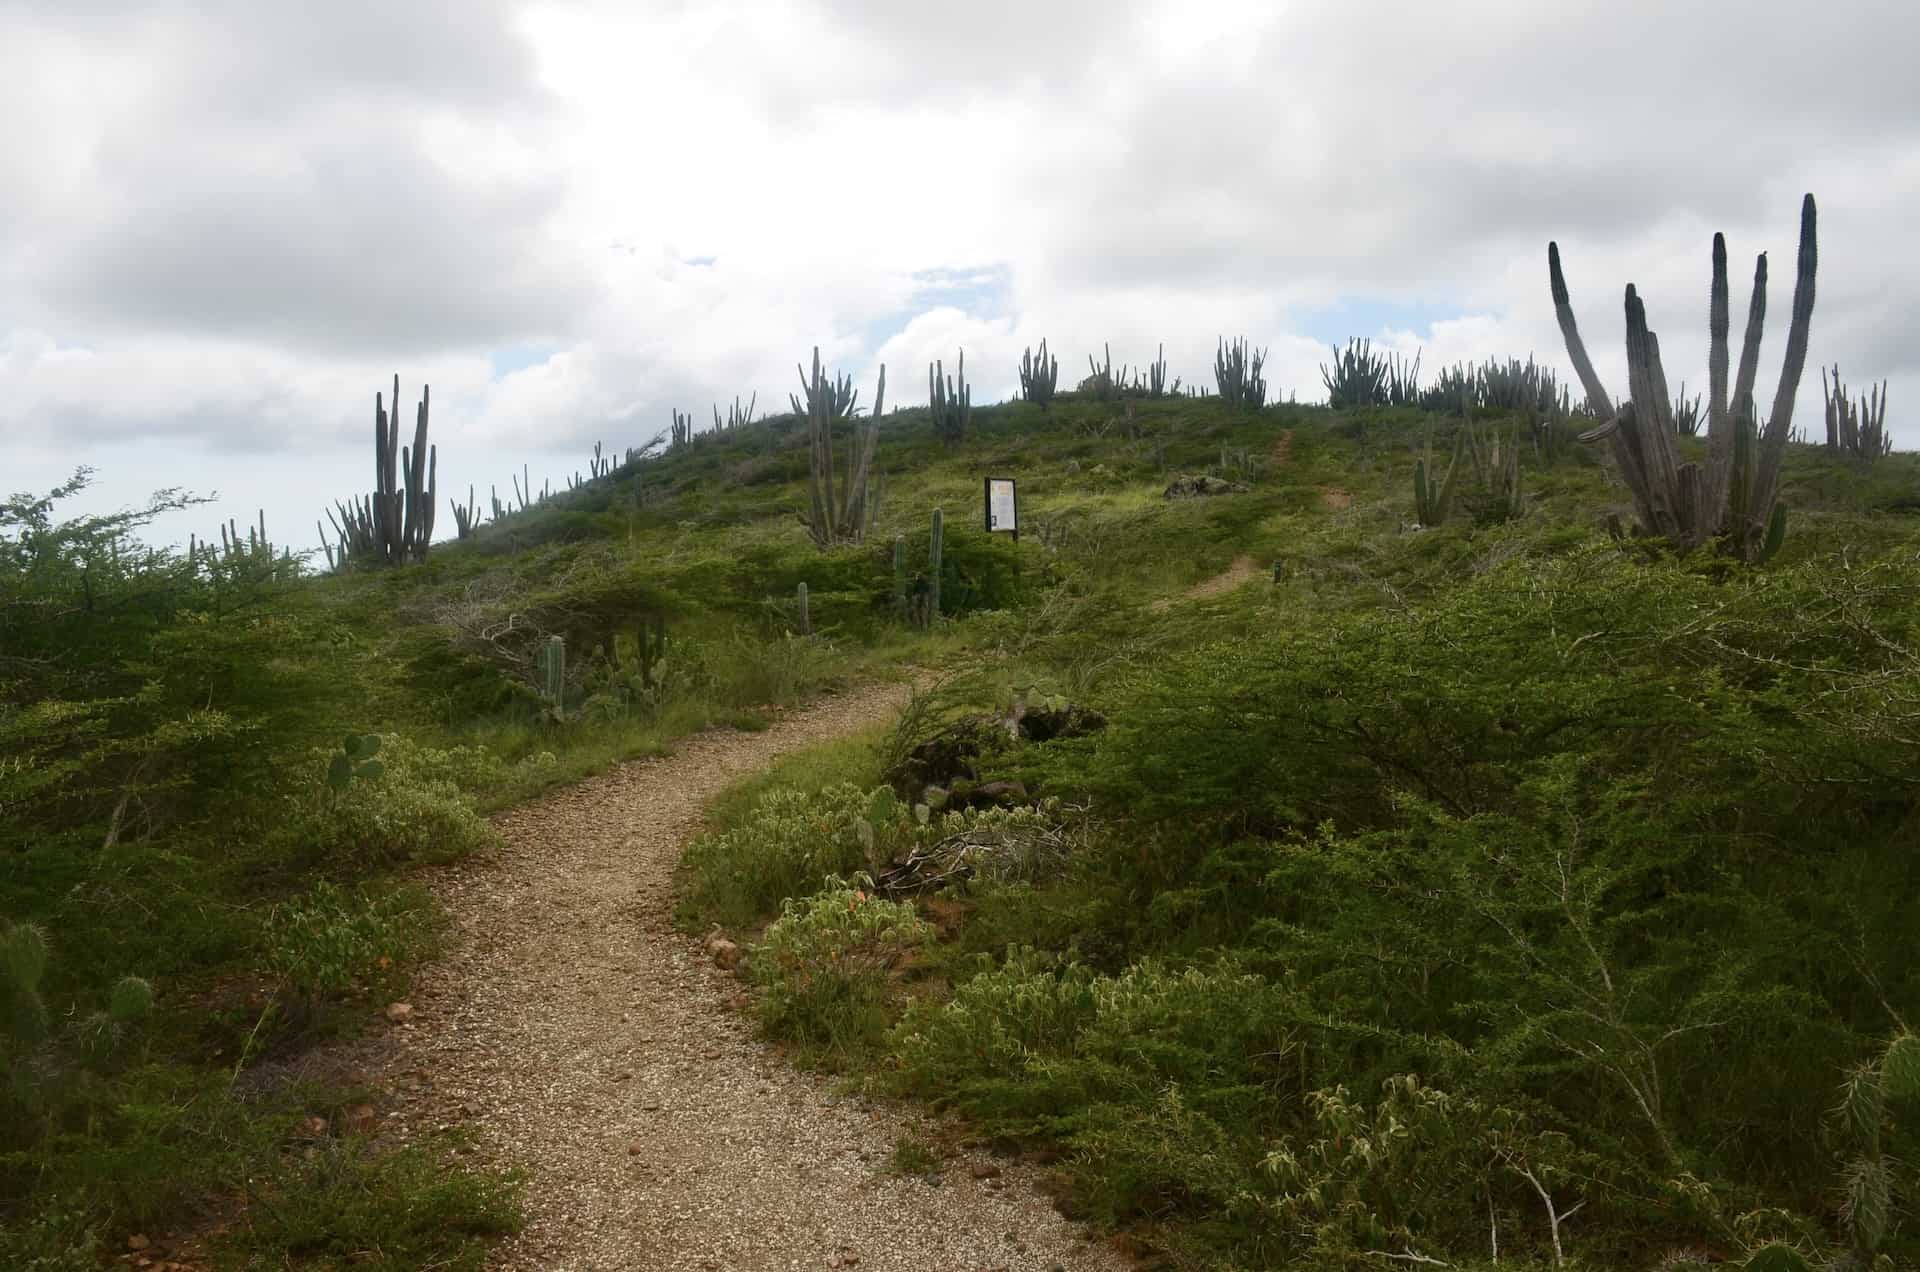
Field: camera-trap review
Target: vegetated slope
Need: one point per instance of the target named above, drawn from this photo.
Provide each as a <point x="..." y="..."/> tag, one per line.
<point x="167" y="813"/>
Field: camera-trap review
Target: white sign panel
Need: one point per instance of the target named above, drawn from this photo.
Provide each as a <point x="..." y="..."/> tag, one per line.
<point x="1002" y="508"/>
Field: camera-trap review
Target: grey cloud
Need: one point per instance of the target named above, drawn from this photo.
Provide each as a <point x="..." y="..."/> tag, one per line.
<point x="1448" y="137"/>
<point x="273" y="184"/>
<point x="351" y="245"/>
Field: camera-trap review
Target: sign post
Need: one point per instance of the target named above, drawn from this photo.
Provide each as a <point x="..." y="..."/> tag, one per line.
<point x="1003" y="507"/>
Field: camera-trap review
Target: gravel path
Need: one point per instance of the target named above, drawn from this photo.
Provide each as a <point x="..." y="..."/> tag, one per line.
<point x="579" y="1036"/>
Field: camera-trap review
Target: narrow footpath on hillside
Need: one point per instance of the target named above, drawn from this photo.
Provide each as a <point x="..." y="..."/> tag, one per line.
<point x="576" y="1034"/>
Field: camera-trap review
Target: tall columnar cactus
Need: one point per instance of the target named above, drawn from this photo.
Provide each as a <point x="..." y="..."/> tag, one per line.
<point x="838" y="516"/>
<point x="1101" y="382"/>
<point x="650" y="648"/>
<point x="737" y="417"/>
<point x="466" y="516"/>
<point x="951" y="408"/>
<point x="1433" y="497"/>
<point x="1498" y="470"/>
<point x="934" y="551"/>
<point x="1039" y="376"/>
<point x="394" y="525"/>
<point x="552" y="666"/>
<point x="1736" y="495"/>
<point x="600" y="465"/>
<point x="900" y="576"/>
<point x="1856" y="429"/>
<point x="1358" y="377"/>
<point x="806" y="614"/>
<point x="682" y="428"/>
<point x="1236" y="373"/>
<point x="1157" y="375"/>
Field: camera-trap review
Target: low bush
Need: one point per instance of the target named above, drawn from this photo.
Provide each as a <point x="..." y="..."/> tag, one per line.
<point x="416" y="810"/>
<point x="345" y="1205"/>
<point x="824" y="966"/>
<point x="787" y="846"/>
<point x="337" y="941"/>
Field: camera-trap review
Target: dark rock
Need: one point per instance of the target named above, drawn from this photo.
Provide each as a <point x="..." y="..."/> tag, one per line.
<point x="1193" y="487"/>
<point x="1070" y="721"/>
<point x="992" y="795"/>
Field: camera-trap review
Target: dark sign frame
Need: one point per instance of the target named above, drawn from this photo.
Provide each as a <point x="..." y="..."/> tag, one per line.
<point x="987" y="512"/>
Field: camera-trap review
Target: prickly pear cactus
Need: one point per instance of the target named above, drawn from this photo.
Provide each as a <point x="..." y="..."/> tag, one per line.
<point x="354" y="761"/>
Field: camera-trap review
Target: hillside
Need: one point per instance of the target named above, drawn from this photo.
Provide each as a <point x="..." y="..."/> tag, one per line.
<point x="1422" y="887"/>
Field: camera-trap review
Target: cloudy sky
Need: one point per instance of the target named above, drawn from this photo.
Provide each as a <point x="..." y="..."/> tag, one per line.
<point x="224" y="224"/>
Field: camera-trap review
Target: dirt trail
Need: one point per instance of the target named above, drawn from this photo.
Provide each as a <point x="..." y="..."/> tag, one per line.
<point x="1240" y="570"/>
<point x="578" y="1035"/>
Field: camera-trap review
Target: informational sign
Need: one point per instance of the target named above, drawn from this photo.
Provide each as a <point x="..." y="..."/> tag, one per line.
<point x="1003" y="508"/>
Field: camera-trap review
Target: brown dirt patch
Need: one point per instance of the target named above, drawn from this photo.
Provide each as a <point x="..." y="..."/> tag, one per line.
<point x="1283" y="449"/>
<point x="1239" y="572"/>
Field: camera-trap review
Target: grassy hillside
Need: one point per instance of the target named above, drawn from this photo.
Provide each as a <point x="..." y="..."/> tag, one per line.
<point x="1433" y="880"/>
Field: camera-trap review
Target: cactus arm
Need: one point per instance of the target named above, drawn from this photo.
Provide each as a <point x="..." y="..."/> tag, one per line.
<point x="852" y="522"/>
<point x="1638" y="456"/>
<point x="1750" y="344"/>
<point x="1597" y="400"/>
<point x="1799" y="326"/>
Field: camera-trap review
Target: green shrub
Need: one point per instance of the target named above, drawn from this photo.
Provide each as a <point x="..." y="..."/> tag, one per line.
<point x="334" y="940"/>
<point x="413" y="810"/>
<point x="60" y="1236"/>
<point x="778" y="670"/>
<point x="786" y="847"/>
<point x="823" y="966"/>
<point x="789" y="841"/>
<point x="346" y="1205"/>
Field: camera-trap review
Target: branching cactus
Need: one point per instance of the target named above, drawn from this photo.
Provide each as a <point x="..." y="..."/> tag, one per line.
<point x="950" y="407"/>
<point x="1157" y="376"/>
<point x="900" y="576"/>
<point x="1735" y="497"/>
<point x="1856" y="429"/>
<point x="1433" y="497"/>
<point x="466" y="516"/>
<point x="682" y="428"/>
<point x="1039" y="376"/>
<point x="935" y="548"/>
<point x="737" y="416"/>
<point x="838" y="515"/>
<point x="1358" y="377"/>
<point x="1236" y="373"/>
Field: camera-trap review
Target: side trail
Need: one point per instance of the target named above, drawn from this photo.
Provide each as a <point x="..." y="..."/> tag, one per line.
<point x="575" y="1033"/>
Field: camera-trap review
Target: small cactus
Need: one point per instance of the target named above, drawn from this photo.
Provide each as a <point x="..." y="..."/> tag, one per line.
<point x="354" y="761"/>
<point x="552" y="666"/>
<point x="806" y="617"/>
<point x="934" y="548"/>
<point x="23" y="964"/>
<point x="900" y="575"/>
